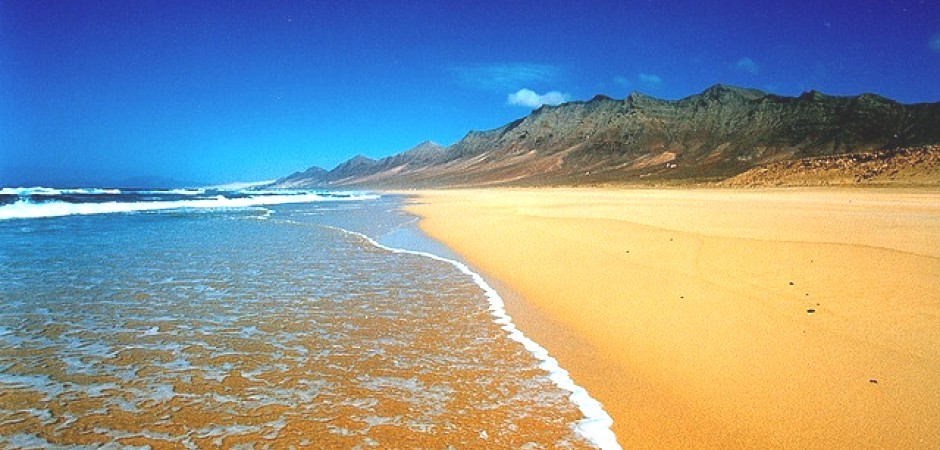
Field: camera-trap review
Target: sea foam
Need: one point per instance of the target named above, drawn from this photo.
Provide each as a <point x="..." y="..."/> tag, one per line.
<point x="595" y="426"/>
<point x="27" y="209"/>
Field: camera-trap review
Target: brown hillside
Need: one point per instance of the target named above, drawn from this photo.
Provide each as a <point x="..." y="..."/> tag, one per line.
<point x="715" y="135"/>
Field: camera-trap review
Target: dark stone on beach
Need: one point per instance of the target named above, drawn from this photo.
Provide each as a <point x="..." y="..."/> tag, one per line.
<point x="810" y="311"/>
<point x="791" y="283"/>
<point x="873" y="381"/>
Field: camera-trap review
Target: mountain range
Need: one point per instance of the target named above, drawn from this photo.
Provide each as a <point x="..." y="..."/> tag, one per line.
<point x="716" y="135"/>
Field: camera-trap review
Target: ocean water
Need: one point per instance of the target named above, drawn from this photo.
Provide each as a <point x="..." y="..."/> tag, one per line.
<point x="252" y="319"/>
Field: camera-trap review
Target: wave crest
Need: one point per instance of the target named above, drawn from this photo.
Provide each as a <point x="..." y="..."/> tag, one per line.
<point x="25" y="208"/>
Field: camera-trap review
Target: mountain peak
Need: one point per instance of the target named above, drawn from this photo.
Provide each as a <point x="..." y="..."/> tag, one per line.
<point x="424" y="150"/>
<point x="355" y="163"/>
<point x="813" y="95"/>
<point x="723" y="91"/>
<point x="360" y="159"/>
<point x="719" y="132"/>
<point x="600" y="98"/>
<point x="427" y="145"/>
<point x="640" y="99"/>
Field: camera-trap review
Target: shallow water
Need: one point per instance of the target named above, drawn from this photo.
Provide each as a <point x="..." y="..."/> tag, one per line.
<point x="267" y="326"/>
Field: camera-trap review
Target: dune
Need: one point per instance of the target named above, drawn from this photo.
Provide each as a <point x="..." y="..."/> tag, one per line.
<point x="720" y="318"/>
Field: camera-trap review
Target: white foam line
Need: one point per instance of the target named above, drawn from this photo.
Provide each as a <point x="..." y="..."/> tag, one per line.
<point x="23" y="209"/>
<point x="596" y="423"/>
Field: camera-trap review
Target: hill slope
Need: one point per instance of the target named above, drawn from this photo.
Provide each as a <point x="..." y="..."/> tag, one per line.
<point x="717" y="134"/>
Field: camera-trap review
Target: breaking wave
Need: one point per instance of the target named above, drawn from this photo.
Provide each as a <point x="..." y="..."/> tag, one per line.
<point x="27" y="207"/>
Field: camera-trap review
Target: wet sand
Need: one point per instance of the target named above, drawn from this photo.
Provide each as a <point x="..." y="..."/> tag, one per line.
<point x="285" y="332"/>
<point x="723" y="318"/>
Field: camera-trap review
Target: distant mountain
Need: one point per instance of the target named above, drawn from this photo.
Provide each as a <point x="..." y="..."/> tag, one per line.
<point x="361" y="169"/>
<point x="714" y="135"/>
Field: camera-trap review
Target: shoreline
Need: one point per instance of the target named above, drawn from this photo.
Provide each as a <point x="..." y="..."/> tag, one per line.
<point x="721" y="352"/>
<point x="595" y="426"/>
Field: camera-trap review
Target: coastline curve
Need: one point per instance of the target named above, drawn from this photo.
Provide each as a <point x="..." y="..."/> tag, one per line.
<point x="596" y="424"/>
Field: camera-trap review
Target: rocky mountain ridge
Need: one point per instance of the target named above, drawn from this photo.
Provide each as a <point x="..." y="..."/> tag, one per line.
<point x="715" y="135"/>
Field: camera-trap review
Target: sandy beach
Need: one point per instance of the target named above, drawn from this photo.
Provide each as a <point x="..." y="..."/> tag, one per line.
<point x="723" y="318"/>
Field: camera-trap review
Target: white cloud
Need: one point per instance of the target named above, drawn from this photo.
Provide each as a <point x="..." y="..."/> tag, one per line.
<point x="747" y="65"/>
<point x="935" y="43"/>
<point x="650" y="80"/>
<point x="505" y="76"/>
<point x="531" y="99"/>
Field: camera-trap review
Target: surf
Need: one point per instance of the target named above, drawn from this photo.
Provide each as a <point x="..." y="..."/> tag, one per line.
<point x="51" y="204"/>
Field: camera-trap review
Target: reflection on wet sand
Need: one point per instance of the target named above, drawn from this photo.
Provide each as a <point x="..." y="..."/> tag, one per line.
<point x="292" y="346"/>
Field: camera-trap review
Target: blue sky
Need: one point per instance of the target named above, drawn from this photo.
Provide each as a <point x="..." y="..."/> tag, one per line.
<point x="93" y="92"/>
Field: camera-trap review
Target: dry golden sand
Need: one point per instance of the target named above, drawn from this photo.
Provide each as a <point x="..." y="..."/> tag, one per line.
<point x="687" y="312"/>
